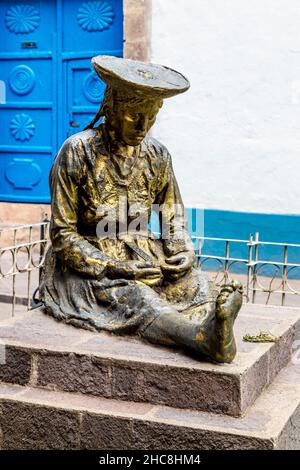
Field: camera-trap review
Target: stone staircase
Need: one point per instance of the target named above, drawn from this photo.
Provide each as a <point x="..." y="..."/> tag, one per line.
<point x="66" y="388"/>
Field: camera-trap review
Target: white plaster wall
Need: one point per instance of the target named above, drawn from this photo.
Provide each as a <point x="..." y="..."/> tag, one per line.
<point x="235" y="135"/>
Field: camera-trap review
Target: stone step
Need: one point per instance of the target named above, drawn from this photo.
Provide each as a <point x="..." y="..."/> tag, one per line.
<point x="42" y="352"/>
<point x="33" y="418"/>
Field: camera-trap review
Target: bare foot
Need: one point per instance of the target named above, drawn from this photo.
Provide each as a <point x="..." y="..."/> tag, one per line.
<point x="229" y="301"/>
<point x="228" y="304"/>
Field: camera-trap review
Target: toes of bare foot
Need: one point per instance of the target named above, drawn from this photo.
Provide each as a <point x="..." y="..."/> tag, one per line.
<point x="232" y="286"/>
<point x="226" y="290"/>
<point x="236" y="285"/>
<point x="222" y="297"/>
<point x="228" y="304"/>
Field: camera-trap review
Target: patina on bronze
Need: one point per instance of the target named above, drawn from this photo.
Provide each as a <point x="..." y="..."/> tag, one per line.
<point x="130" y="284"/>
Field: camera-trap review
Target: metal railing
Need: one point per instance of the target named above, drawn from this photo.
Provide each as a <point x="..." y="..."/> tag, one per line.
<point x="264" y="268"/>
<point x="22" y="251"/>
<point x="260" y="273"/>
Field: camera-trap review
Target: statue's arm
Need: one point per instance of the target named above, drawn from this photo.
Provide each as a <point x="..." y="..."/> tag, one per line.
<point x="173" y="223"/>
<point x="73" y="249"/>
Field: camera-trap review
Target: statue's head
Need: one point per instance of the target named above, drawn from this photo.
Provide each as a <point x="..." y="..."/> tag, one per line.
<point x="134" y="94"/>
<point x="130" y="118"/>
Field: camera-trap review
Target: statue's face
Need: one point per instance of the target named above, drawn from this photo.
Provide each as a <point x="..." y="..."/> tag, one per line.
<point x="131" y="123"/>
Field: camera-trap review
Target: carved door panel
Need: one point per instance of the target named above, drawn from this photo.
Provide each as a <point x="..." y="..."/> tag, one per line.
<point x="51" y="91"/>
<point x="85" y="93"/>
<point x="27" y="67"/>
<point x="89" y="29"/>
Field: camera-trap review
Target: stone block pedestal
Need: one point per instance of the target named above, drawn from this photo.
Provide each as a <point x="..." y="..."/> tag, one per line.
<point x="64" y="388"/>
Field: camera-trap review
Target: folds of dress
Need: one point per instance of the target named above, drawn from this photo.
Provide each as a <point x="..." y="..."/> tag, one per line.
<point x="88" y="185"/>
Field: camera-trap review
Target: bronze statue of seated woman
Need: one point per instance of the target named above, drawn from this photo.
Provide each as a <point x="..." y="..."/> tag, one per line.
<point x="130" y="282"/>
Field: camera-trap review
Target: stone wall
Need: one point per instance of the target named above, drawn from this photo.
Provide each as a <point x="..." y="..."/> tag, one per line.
<point x="137" y="29"/>
<point x="12" y="213"/>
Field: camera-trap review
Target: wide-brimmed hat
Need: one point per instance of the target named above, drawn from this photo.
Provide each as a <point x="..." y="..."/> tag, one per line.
<point x="135" y="78"/>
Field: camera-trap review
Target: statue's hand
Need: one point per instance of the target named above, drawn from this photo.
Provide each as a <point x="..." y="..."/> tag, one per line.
<point x="177" y="266"/>
<point x="132" y="269"/>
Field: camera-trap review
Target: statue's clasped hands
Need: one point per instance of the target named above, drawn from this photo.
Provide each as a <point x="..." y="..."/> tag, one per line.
<point x="144" y="271"/>
<point x="173" y="268"/>
<point x="178" y="265"/>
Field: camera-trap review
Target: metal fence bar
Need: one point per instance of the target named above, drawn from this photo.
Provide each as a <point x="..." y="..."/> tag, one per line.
<point x="14" y="273"/>
<point x="249" y="268"/>
<point x="254" y="272"/>
<point x="226" y="267"/>
<point x="43" y="232"/>
<point x="29" y="272"/>
<point x="284" y="273"/>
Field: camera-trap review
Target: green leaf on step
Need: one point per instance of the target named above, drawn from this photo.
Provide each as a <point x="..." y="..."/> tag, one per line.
<point x="263" y="337"/>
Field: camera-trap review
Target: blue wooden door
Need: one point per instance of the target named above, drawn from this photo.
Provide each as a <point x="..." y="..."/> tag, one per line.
<point x="51" y="90"/>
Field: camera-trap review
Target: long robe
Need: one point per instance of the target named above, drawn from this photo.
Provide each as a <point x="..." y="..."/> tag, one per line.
<point x="86" y="175"/>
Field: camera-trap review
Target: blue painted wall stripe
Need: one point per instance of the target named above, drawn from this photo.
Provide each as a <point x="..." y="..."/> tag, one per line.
<point x="278" y="228"/>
